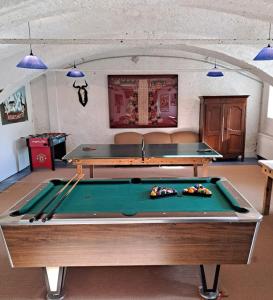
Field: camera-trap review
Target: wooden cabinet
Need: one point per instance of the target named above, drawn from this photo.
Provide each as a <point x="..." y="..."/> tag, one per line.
<point x="222" y="124"/>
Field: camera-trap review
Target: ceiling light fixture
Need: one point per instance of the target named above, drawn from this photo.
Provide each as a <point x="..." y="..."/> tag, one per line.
<point x="74" y="72"/>
<point x="31" y="61"/>
<point x="215" y="72"/>
<point x="267" y="52"/>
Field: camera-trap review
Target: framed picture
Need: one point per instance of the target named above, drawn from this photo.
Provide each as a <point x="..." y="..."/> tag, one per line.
<point x="14" y="108"/>
<point x="139" y="101"/>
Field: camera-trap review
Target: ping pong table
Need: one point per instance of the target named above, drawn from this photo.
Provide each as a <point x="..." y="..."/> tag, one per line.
<point x="194" y="154"/>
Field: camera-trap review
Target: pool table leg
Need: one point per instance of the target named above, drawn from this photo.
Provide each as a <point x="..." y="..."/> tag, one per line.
<point x="213" y="293"/>
<point x="54" y="277"/>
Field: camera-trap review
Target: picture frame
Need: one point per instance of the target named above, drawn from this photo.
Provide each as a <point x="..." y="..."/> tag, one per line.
<point x="143" y="101"/>
<point x="14" y="108"/>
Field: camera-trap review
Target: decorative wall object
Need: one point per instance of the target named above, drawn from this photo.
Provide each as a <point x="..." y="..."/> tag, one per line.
<point x="82" y="93"/>
<point x="14" y="108"/>
<point x="139" y="101"/>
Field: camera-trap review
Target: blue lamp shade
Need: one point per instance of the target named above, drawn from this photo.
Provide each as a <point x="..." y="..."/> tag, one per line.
<point x="75" y="73"/>
<point x="31" y="62"/>
<point x="265" y="54"/>
<point x="215" y="73"/>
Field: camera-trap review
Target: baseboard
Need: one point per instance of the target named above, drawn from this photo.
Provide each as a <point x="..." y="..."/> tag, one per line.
<point x="6" y="183"/>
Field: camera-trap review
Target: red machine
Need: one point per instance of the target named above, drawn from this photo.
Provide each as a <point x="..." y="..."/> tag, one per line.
<point x="44" y="148"/>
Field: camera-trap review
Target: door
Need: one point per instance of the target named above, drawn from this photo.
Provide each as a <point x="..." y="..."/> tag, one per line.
<point x="234" y="129"/>
<point x="213" y="125"/>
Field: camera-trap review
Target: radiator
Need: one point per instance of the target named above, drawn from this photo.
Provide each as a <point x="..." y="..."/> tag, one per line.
<point x="265" y="146"/>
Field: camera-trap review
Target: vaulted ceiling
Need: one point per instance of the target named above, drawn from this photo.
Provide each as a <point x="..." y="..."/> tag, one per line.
<point x="82" y="30"/>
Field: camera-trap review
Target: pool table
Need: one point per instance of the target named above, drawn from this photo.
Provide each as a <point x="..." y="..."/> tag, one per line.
<point x="114" y="222"/>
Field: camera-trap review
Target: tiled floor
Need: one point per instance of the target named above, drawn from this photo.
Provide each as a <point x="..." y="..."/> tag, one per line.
<point x="59" y="164"/>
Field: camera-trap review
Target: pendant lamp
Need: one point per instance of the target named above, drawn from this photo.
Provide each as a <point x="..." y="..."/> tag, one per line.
<point x="267" y="52"/>
<point x="215" y="72"/>
<point x="31" y="61"/>
<point x="74" y="72"/>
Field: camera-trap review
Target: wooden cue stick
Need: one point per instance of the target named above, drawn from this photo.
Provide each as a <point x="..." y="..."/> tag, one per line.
<point x="41" y="211"/>
<point x="50" y="215"/>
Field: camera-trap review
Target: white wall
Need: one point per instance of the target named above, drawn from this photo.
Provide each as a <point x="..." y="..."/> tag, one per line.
<point x="265" y="136"/>
<point x="39" y="92"/>
<point x="266" y="124"/>
<point x="13" y="150"/>
<point x="90" y="124"/>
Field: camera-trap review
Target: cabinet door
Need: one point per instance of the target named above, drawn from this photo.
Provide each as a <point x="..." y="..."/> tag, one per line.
<point x="213" y="125"/>
<point x="234" y="128"/>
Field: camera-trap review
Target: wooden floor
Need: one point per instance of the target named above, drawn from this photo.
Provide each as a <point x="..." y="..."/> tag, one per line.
<point x="240" y="282"/>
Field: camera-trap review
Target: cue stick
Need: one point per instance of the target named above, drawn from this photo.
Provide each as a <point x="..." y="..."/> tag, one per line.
<point x="41" y="211"/>
<point x="50" y="215"/>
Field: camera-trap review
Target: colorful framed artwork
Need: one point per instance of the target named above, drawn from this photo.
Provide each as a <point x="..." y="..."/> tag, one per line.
<point x="139" y="101"/>
<point x="14" y="108"/>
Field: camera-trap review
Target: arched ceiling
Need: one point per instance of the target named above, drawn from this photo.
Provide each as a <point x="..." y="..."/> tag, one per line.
<point x="84" y="30"/>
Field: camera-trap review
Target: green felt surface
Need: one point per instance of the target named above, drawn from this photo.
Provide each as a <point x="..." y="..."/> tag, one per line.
<point x="122" y="196"/>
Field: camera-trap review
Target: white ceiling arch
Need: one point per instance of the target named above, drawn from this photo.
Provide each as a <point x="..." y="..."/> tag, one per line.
<point x="156" y="27"/>
<point x="189" y="52"/>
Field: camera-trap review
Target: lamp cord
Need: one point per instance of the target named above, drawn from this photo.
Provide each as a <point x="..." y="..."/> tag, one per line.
<point x="29" y="39"/>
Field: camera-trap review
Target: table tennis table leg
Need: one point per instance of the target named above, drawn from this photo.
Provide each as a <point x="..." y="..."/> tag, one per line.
<point x="91" y="167"/>
<point x="205" y="171"/>
<point x="195" y="171"/>
<point x="267" y="196"/>
<point x="79" y="169"/>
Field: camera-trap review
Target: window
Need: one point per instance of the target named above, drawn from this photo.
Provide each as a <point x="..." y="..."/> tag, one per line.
<point x="270" y="103"/>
